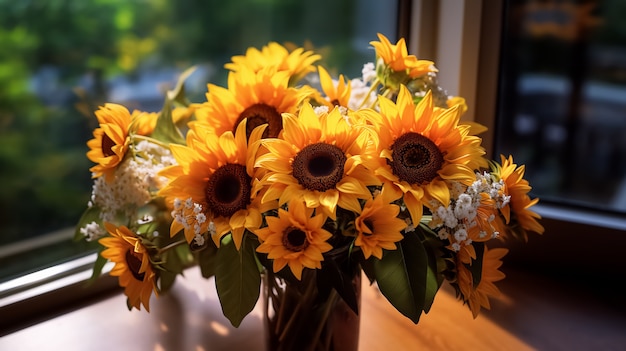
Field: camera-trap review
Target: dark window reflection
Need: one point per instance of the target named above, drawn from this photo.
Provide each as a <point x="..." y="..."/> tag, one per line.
<point x="562" y="103"/>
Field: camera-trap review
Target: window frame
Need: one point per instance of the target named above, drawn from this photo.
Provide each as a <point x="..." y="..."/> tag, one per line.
<point x="463" y="38"/>
<point x="40" y="295"/>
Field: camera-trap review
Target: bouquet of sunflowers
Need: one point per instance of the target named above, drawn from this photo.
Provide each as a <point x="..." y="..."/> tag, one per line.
<point x="292" y="174"/>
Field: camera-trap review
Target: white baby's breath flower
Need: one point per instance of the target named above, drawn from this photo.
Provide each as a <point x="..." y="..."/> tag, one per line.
<point x="321" y="110"/>
<point x="136" y="180"/>
<point x="460" y="235"/>
<point x="199" y="240"/>
<point x="92" y="231"/>
<point x="456" y="247"/>
<point x="145" y="219"/>
<point x="409" y="225"/>
<point x="212" y="230"/>
<point x="190" y="214"/>
<point x="368" y="72"/>
<point x="361" y="93"/>
<point x="443" y="234"/>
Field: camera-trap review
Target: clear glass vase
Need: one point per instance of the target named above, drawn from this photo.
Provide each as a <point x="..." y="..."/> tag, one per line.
<point x="297" y="317"/>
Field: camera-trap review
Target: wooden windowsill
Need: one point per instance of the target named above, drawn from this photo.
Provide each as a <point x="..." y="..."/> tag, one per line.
<point x="534" y="313"/>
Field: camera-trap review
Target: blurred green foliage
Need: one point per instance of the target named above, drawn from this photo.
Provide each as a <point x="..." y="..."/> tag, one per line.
<point x="48" y="48"/>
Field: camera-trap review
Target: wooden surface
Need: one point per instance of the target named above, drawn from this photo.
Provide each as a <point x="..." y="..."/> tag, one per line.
<point x="534" y="314"/>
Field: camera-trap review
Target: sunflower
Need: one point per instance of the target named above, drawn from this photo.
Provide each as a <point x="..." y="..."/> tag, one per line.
<point x="320" y="160"/>
<point x="378" y="226"/>
<point x="214" y="179"/>
<point x="297" y="63"/>
<point x="478" y="296"/>
<point x="335" y="95"/>
<point x="395" y="66"/>
<point x="520" y="202"/>
<point x="110" y="141"/>
<point x="132" y="265"/>
<point x="421" y="148"/>
<point x="295" y="238"/>
<point x="260" y="97"/>
<point x="488" y="222"/>
<point x="144" y="122"/>
<point x="457" y="100"/>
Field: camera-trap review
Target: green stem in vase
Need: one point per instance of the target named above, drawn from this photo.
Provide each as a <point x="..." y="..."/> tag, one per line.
<point x="310" y="290"/>
<point x="330" y="303"/>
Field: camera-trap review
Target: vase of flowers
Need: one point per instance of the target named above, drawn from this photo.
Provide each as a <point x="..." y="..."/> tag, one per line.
<point x="288" y="185"/>
<point x="298" y="316"/>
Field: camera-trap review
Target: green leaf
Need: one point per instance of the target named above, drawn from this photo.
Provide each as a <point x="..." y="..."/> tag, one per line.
<point x="165" y="130"/>
<point x="207" y="259"/>
<point x="166" y="280"/>
<point x="173" y="259"/>
<point x="97" y="268"/>
<point x="402" y="276"/>
<point x="171" y="267"/>
<point x="237" y="279"/>
<point x="91" y="214"/>
<point x="333" y="276"/>
<point x="178" y="93"/>
<point x="436" y="264"/>
<point x="368" y="269"/>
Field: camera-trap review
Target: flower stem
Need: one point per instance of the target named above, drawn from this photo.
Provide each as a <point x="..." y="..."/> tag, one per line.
<point x="372" y="89"/>
<point x="171" y="246"/>
<point x="330" y="303"/>
<point x="310" y="290"/>
<point x="149" y="139"/>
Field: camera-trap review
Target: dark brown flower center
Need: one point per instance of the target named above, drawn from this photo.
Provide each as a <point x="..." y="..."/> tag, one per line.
<point x="134" y="264"/>
<point x="294" y="239"/>
<point x="319" y="166"/>
<point x="416" y="159"/>
<point x="107" y="145"/>
<point x="228" y="190"/>
<point x="259" y="114"/>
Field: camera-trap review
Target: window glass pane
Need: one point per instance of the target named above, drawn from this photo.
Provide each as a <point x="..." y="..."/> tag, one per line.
<point x="562" y="104"/>
<point x="60" y="60"/>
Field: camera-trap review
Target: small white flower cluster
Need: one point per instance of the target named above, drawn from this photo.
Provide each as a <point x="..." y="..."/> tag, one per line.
<point x="136" y="179"/>
<point x="191" y="215"/>
<point x="360" y="88"/>
<point x="485" y="183"/>
<point x="454" y="221"/>
<point x="429" y="82"/>
<point x="92" y="231"/>
<point x="410" y="227"/>
<point x="321" y="110"/>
